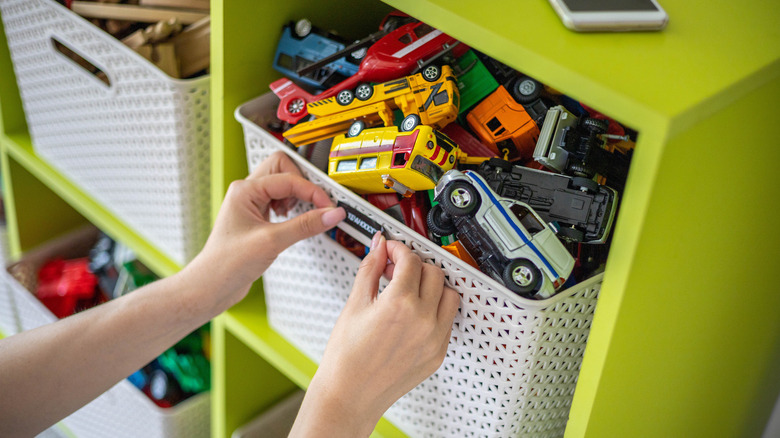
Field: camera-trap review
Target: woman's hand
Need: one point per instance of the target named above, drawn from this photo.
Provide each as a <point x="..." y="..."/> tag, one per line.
<point x="243" y="243"/>
<point x="382" y="346"/>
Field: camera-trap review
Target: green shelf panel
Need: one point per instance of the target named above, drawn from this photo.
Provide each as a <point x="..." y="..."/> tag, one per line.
<point x="259" y="387"/>
<point x="30" y="206"/>
<point x="703" y="59"/>
<point x="19" y="148"/>
<point x="247" y="321"/>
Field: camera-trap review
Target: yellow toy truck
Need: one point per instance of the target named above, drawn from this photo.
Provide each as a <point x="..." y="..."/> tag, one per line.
<point x="430" y="99"/>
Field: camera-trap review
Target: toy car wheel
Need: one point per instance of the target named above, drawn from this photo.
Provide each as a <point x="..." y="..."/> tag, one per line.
<point x="571" y="234"/>
<point x="410" y="122"/>
<point x="356" y="128"/>
<point x="345" y="97"/>
<point x="521" y="276"/>
<point x="364" y="91"/>
<point x="431" y="73"/>
<point x="296" y="105"/>
<point x="163" y="387"/>
<point x="439" y="222"/>
<point x="598" y="126"/>
<point x="460" y="199"/>
<point x="357" y="56"/>
<point x="580" y="170"/>
<point x="498" y="163"/>
<point x="584" y="184"/>
<point x="526" y="90"/>
<point x="302" y="28"/>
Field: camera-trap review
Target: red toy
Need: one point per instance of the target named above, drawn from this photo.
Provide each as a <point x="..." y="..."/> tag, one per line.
<point x="64" y="286"/>
<point x="411" y="211"/>
<point x="401" y="52"/>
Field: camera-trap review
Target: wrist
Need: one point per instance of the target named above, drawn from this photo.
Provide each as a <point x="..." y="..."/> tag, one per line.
<point x="208" y="286"/>
<point x="330" y="410"/>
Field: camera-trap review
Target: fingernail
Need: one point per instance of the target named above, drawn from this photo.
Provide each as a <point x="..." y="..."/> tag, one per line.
<point x="375" y="240"/>
<point x="333" y="216"/>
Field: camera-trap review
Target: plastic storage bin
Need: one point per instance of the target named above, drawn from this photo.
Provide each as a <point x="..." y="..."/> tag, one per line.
<point x="139" y="145"/>
<point x="512" y="363"/>
<point x="123" y="410"/>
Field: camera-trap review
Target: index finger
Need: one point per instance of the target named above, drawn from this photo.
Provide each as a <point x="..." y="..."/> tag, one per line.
<point x="278" y="162"/>
<point x="285" y="185"/>
<point x="407" y="267"/>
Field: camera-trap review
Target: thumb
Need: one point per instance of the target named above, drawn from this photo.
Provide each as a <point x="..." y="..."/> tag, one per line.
<point x="366" y="284"/>
<point x="306" y="225"/>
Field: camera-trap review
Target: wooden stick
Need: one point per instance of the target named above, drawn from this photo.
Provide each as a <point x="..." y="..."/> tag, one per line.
<point x="192" y="47"/>
<point x="183" y="4"/>
<point x="135" y="13"/>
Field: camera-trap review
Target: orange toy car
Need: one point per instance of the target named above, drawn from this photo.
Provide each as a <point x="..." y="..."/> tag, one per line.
<point x="504" y="125"/>
<point x="429" y="99"/>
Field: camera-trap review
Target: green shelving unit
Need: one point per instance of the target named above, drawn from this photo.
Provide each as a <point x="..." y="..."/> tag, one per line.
<point x="684" y="339"/>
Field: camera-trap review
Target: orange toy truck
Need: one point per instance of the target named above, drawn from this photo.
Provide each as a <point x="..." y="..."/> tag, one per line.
<point x="504" y="125"/>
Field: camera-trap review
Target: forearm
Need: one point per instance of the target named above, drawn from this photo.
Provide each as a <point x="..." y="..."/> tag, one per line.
<point x="326" y="411"/>
<point x="50" y="372"/>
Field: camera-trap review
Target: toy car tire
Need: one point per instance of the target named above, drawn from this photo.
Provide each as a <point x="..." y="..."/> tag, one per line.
<point x="460" y="199"/>
<point x="296" y="105"/>
<point x="364" y="91"/>
<point x="584" y="184"/>
<point x="355" y="128"/>
<point x="439" y="223"/>
<point x="580" y="170"/>
<point x="345" y="97"/>
<point x="571" y="234"/>
<point x="163" y="387"/>
<point x="410" y="122"/>
<point x="526" y="90"/>
<point x="498" y="163"/>
<point x="431" y="73"/>
<point x="357" y="56"/>
<point x="302" y="28"/>
<point x="597" y="126"/>
<point x="521" y="276"/>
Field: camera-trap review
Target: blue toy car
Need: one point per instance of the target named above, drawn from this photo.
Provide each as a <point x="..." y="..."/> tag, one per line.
<point x="301" y="45"/>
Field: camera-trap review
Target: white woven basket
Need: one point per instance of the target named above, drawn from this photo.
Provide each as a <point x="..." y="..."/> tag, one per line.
<point x="512" y="363"/>
<point x="139" y="146"/>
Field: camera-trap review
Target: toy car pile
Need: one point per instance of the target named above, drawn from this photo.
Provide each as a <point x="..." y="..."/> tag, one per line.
<point x="511" y="176"/>
<point x="67" y="286"/>
<point x="181" y="371"/>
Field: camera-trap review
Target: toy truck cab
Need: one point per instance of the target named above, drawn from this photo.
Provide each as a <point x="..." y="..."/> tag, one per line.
<point x="507" y="238"/>
<point x="301" y="45"/>
<point x="575" y="146"/>
<point x="504" y="125"/>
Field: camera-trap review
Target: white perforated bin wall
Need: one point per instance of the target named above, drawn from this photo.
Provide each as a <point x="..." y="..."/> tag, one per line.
<point x="123" y="411"/>
<point x="139" y="146"/>
<point x="512" y="363"/>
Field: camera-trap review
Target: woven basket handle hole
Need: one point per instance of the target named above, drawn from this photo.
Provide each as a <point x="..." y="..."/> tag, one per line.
<point x="80" y="61"/>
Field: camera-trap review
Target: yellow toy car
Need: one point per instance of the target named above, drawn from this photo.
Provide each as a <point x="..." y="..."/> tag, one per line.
<point x="383" y="160"/>
<point x="433" y="99"/>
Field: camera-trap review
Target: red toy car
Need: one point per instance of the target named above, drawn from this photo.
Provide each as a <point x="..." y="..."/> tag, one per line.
<point x="401" y="52"/>
<point x="66" y="286"/>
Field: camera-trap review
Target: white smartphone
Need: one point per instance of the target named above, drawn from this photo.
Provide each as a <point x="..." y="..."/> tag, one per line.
<point x="611" y="15"/>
